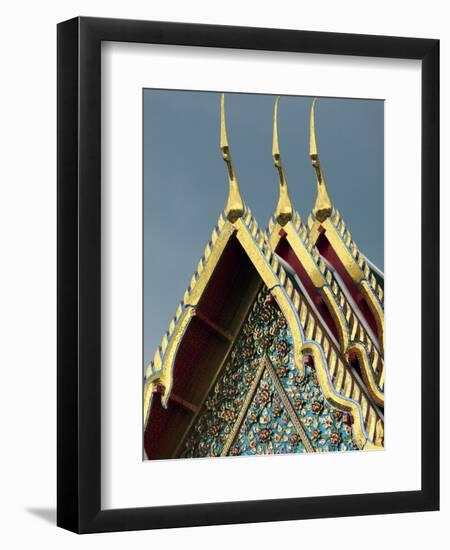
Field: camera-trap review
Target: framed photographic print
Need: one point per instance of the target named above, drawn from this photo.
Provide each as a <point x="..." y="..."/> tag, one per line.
<point x="230" y="202"/>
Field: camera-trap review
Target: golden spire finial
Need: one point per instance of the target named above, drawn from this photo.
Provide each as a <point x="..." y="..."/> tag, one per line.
<point x="234" y="208"/>
<point x="323" y="206"/>
<point x="284" y="210"/>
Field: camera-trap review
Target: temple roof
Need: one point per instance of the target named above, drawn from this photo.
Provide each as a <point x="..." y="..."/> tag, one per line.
<point x="355" y="336"/>
<point x="341" y="385"/>
<point x="327" y="223"/>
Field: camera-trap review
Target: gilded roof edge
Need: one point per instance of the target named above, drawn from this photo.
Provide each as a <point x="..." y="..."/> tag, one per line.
<point x="256" y="245"/>
<point x="353" y="337"/>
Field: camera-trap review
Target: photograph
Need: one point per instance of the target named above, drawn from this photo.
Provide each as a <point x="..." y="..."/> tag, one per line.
<point x="201" y="204"/>
<point x="263" y="274"/>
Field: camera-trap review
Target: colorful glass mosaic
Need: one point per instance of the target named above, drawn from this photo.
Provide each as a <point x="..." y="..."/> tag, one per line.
<point x="266" y="426"/>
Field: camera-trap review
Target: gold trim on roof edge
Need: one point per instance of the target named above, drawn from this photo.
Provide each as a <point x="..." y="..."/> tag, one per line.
<point x="352" y="335"/>
<point x="359" y="258"/>
<point x="328" y="217"/>
<point x="305" y="257"/>
<point x="159" y="371"/>
<point x="350" y="405"/>
<point x="347" y="251"/>
<point x="292" y="306"/>
<point x="345" y="391"/>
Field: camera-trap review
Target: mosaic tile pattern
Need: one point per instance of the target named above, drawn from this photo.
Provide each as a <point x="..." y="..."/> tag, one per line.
<point x="328" y="429"/>
<point x="266" y="427"/>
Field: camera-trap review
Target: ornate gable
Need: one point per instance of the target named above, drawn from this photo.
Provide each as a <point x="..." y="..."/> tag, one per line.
<point x="251" y="364"/>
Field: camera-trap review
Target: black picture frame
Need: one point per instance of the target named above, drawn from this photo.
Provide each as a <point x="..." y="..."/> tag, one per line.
<point x="79" y="276"/>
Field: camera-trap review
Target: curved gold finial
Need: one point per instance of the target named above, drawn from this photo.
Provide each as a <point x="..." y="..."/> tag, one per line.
<point x="323" y="206"/>
<point x="234" y="208"/>
<point x="284" y="210"/>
